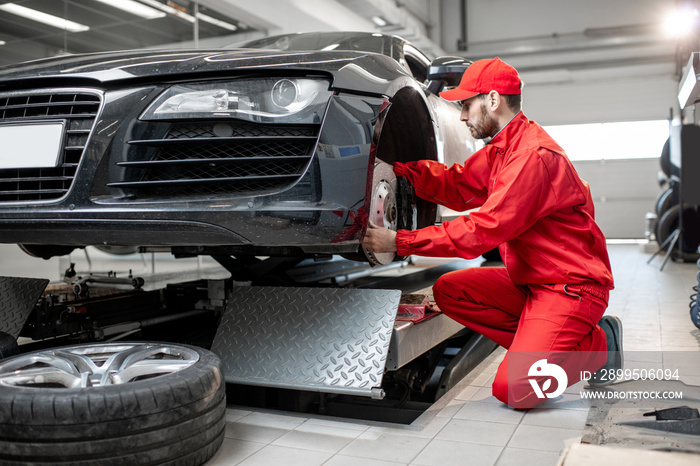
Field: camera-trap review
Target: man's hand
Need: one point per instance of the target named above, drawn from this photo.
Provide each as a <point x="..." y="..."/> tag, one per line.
<point x="378" y="239"/>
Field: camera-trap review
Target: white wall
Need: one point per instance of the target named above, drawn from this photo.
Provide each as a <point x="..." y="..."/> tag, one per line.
<point x="492" y="20"/>
<point x="16" y="263"/>
<point x="581" y="62"/>
<point x="623" y="192"/>
<point x="587" y="61"/>
<point x="625" y="99"/>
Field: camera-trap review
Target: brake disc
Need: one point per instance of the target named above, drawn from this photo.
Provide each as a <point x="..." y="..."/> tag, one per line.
<point x="383" y="210"/>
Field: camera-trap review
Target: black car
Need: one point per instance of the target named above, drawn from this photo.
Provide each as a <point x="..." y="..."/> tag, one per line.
<point x="274" y="148"/>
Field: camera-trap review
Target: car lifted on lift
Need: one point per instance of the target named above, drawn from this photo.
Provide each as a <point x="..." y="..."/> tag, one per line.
<point x="272" y="148"/>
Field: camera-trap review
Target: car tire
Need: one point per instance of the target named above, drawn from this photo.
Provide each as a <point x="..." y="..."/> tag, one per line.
<point x="665" y="158"/>
<point x="153" y="403"/>
<point x="667" y="224"/>
<point x="670" y="221"/>
<point x="664" y="202"/>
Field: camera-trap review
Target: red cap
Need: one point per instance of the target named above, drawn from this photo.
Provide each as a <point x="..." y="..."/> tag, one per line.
<point x="484" y="76"/>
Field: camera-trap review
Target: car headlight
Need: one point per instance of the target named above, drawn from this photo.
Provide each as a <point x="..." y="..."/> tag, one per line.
<point x="280" y="100"/>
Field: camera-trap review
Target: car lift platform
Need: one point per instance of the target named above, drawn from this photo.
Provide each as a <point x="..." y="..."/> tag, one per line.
<point x="312" y="339"/>
<point x="328" y="340"/>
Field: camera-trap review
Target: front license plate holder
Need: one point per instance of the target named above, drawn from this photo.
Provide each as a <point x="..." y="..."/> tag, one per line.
<point x="35" y="144"/>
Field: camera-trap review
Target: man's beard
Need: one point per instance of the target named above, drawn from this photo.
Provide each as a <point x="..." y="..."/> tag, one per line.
<point x="486" y="127"/>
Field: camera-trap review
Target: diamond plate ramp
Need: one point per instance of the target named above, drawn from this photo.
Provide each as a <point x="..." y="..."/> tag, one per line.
<point x="17" y="299"/>
<point x="314" y="339"/>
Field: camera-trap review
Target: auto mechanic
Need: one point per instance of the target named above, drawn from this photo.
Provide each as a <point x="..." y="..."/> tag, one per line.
<point x="548" y="299"/>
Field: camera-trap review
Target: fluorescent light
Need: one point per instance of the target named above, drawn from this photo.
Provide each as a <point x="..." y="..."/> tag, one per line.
<point x="681" y="22"/>
<point x="170" y="10"/>
<point x="379" y="21"/>
<point x="217" y="22"/>
<point x="44" y="18"/>
<point x="2" y="42"/>
<point x="136" y="8"/>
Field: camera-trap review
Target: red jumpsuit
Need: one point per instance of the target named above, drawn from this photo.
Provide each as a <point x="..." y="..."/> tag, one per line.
<point x="553" y="290"/>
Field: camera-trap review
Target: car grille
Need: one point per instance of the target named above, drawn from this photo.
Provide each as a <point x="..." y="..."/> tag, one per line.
<point x="218" y="158"/>
<point x="78" y="110"/>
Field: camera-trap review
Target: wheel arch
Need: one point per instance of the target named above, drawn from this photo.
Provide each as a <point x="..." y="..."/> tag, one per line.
<point x="407" y="134"/>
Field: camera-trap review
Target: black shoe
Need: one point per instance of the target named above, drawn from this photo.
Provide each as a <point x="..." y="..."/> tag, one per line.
<point x="608" y="374"/>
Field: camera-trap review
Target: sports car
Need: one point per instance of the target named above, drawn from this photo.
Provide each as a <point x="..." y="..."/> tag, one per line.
<point x="279" y="147"/>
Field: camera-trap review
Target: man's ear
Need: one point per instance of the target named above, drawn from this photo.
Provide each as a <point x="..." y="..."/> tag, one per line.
<point x="493" y="100"/>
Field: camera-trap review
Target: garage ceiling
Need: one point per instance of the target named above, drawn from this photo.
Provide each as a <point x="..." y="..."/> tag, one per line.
<point x="597" y="60"/>
<point x="109" y="27"/>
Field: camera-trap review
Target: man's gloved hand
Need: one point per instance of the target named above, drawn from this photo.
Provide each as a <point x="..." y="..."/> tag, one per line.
<point x="399" y="168"/>
<point x="379" y="239"/>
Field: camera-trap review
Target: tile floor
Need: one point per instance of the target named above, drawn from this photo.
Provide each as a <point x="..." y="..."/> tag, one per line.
<point x="468" y="426"/>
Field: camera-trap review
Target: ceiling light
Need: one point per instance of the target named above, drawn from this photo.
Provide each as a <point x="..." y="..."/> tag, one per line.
<point x="2" y="42"/>
<point x="217" y="22"/>
<point x="44" y="18"/>
<point x="134" y="7"/>
<point x="681" y="22"/>
<point x="379" y="21"/>
<point x="170" y="10"/>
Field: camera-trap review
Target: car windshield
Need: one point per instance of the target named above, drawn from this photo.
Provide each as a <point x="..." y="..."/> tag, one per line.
<point x="366" y="42"/>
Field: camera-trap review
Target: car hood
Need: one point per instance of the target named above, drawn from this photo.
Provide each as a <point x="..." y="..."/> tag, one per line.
<point x="349" y="68"/>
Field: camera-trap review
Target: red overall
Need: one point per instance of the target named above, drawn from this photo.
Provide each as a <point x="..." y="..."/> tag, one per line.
<point x="554" y="287"/>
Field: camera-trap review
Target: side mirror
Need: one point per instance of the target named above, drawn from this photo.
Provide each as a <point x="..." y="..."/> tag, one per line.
<point x="446" y="71"/>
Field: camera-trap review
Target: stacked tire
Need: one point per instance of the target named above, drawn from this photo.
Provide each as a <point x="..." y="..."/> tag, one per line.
<point x="668" y="212"/>
<point x="154" y="403"/>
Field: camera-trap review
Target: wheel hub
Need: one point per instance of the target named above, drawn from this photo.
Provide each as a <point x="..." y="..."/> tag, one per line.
<point x="95" y="365"/>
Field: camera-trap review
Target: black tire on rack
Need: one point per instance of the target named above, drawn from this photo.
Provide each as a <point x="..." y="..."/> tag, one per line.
<point x="669" y="222"/>
<point x="664" y="202"/>
<point x="665" y="158"/>
<point x="112" y="403"/>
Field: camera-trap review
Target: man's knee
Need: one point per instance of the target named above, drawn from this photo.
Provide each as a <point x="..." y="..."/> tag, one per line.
<point x="453" y="285"/>
<point x="499" y="389"/>
<point x="447" y="293"/>
<point x="513" y="390"/>
<point x="440" y="288"/>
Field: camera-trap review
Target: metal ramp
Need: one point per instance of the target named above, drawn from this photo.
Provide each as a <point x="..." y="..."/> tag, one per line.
<point x="316" y="339"/>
